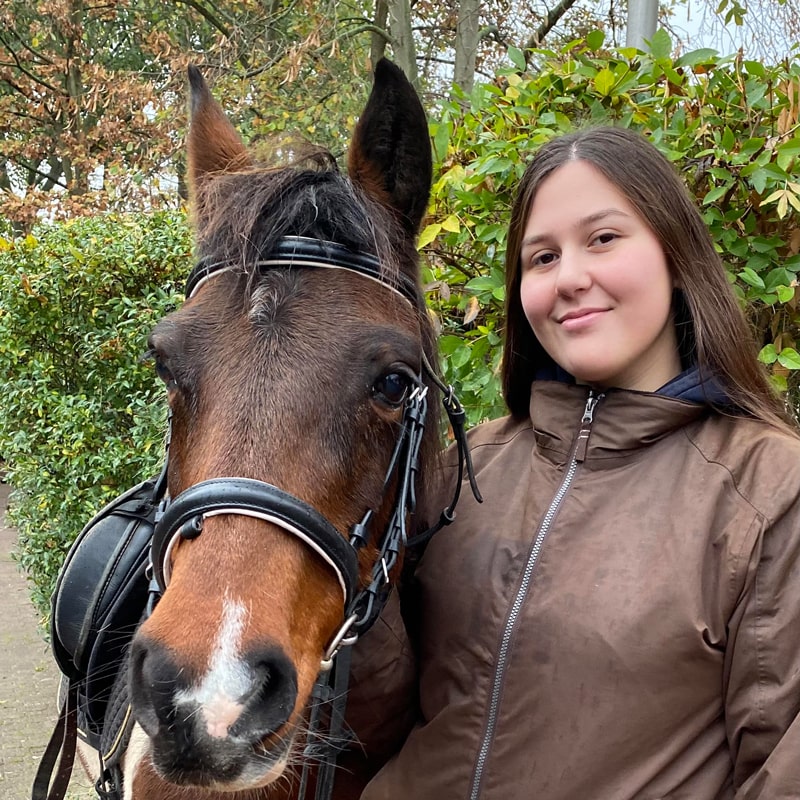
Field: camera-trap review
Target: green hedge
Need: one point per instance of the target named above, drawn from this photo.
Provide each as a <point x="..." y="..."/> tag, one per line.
<point x="81" y="417"/>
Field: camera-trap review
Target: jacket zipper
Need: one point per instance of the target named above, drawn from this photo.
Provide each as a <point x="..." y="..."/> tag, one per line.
<point x="577" y="456"/>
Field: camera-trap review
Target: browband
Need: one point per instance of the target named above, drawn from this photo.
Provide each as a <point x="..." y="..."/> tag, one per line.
<point x="304" y="251"/>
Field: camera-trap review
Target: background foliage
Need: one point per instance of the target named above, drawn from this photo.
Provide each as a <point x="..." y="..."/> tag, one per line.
<point x="82" y="417"/>
<point x="92" y="100"/>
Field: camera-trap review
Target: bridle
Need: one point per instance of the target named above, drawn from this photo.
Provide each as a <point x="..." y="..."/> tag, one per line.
<point x="183" y="517"/>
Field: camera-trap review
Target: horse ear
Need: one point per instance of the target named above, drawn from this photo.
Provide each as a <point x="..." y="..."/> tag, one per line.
<point x="390" y="155"/>
<point x="213" y="143"/>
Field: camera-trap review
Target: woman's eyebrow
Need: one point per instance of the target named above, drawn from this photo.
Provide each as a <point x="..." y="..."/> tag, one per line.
<point x="597" y="216"/>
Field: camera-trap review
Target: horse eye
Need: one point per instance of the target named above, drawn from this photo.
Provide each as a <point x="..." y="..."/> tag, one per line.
<point x="391" y="389"/>
<point x="162" y="370"/>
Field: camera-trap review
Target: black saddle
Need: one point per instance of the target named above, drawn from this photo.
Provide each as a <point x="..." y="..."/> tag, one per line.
<point x="100" y="598"/>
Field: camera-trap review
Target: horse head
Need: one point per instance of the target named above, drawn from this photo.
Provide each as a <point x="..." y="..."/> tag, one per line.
<point x="290" y="371"/>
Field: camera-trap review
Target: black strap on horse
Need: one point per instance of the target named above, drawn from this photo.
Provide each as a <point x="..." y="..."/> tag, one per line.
<point x="327" y="735"/>
<point x="458" y="417"/>
<point x="63" y="742"/>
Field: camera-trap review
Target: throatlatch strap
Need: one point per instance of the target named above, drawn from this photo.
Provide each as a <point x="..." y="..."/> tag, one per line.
<point x="63" y="741"/>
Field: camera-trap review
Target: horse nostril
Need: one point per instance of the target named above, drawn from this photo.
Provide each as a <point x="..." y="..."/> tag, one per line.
<point x="272" y="696"/>
<point x="151" y="680"/>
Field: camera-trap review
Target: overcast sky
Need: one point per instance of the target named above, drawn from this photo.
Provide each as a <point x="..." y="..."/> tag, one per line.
<point x="765" y="35"/>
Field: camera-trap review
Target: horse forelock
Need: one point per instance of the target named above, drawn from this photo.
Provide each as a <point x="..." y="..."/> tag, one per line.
<point x="241" y="215"/>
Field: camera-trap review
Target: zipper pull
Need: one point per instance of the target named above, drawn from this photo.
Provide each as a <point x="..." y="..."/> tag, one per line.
<point x="582" y="442"/>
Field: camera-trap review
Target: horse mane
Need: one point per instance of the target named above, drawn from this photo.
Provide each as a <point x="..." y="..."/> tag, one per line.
<point x="240" y="214"/>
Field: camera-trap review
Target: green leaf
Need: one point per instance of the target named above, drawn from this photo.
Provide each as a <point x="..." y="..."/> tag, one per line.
<point x="429" y="234"/>
<point x="780" y="383"/>
<point x="752" y="278"/>
<point x="661" y="44"/>
<point x="517" y="58"/>
<point x="604" y="81"/>
<point x="704" y="55"/>
<point x="768" y="354"/>
<point x="728" y="139"/>
<point x="483" y="283"/>
<point x="758" y="177"/>
<point x="785" y="293"/>
<point x="752" y="146"/>
<point x="715" y="194"/>
<point x="451" y="224"/>
<point x="789" y="358"/>
<point x="755" y="68"/>
<point x="595" y="39"/>
<point x="441" y="139"/>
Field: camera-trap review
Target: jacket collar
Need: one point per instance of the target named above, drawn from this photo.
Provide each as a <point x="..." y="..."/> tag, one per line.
<point x="624" y="421"/>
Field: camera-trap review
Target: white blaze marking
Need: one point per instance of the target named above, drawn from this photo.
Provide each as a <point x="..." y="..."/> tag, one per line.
<point x="138" y="748"/>
<point x="228" y="679"/>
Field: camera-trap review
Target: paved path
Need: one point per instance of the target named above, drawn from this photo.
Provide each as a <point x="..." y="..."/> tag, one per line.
<point x="28" y="680"/>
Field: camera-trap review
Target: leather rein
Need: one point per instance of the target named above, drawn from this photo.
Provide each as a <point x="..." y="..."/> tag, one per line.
<point x="183" y="517"/>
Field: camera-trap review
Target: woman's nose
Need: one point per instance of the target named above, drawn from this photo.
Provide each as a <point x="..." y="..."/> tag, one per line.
<point x="573" y="273"/>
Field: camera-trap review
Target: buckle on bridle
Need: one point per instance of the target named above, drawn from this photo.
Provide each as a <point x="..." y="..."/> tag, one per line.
<point x="340" y="640"/>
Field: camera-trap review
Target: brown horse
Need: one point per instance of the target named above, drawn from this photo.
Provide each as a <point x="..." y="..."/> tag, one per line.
<point x="290" y="370"/>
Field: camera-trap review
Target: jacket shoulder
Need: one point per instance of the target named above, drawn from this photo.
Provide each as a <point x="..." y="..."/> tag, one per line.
<point x="763" y="462"/>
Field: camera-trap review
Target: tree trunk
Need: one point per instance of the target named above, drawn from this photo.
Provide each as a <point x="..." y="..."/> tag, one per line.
<point x="74" y="175"/>
<point x="377" y="43"/>
<point x="404" y="48"/>
<point x="466" y="46"/>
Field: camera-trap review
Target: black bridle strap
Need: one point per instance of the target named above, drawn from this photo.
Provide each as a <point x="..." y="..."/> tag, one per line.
<point x="302" y="251"/>
<point x="245" y="496"/>
<point x="457" y="416"/>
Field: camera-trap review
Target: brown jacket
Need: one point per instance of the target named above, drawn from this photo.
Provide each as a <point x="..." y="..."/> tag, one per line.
<point x="624" y="625"/>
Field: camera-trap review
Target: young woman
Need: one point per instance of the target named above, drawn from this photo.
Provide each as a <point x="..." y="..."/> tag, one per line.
<point x="621" y="617"/>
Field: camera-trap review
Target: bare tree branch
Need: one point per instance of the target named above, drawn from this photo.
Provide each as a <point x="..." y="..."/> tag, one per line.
<point x="548" y="23"/>
<point x="41" y="56"/>
<point x="19" y="65"/>
<point x="209" y="16"/>
<point x="30" y="168"/>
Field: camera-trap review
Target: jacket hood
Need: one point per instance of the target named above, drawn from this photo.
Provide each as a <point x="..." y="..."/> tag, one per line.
<point x="691" y="385"/>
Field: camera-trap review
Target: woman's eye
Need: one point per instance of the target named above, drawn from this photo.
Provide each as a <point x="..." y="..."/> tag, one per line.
<point x="543" y="259"/>
<point x="391" y="389"/>
<point x="605" y="238"/>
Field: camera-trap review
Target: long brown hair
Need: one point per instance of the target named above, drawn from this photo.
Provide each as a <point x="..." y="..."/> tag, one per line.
<point x="711" y="327"/>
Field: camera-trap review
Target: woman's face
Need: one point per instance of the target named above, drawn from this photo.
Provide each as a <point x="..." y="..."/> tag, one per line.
<point x="595" y="285"/>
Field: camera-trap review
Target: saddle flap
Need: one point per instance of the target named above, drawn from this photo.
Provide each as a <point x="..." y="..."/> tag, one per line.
<point x="102" y="589"/>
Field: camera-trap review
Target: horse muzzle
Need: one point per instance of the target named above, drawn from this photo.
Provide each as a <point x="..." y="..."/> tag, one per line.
<point x="225" y="729"/>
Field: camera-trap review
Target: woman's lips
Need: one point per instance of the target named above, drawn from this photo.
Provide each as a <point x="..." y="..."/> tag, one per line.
<point x="577" y="320"/>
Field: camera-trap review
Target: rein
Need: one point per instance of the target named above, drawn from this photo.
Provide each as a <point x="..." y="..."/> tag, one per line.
<point x="183" y="517"/>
